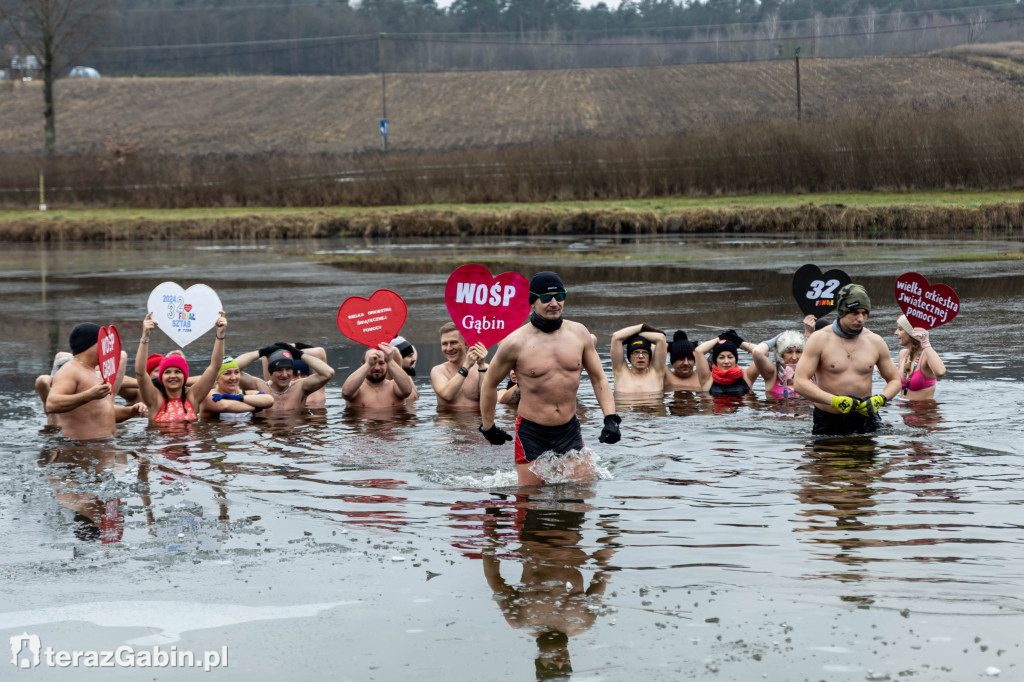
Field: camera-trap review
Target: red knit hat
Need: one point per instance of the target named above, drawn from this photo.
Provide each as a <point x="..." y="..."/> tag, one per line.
<point x="153" y="361"/>
<point x="173" y="361"/>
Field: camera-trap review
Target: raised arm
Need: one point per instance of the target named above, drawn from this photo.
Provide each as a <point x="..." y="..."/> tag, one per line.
<point x="354" y="383"/>
<point x="618" y="351"/>
<point x="247" y="381"/>
<point x="449" y="388"/>
<point x="403" y="382"/>
<point x="763" y="363"/>
<point x="322" y="373"/>
<point x="660" y="344"/>
<point x="931" y="364"/>
<point x="201" y="388"/>
<point x="700" y="357"/>
<point x="149" y="393"/>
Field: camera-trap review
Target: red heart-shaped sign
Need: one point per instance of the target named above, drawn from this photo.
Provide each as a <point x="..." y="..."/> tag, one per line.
<point x="486" y="308"/>
<point x="109" y="353"/>
<point x="188" y="307"/>
<point x="925" y="305"/>
<point x="372" y="321"/>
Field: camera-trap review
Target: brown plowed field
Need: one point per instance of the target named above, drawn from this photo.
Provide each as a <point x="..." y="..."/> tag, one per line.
<point x="450" y="110"/>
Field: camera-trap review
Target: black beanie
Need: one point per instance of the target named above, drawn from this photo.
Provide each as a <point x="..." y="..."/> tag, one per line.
<point x="681" y="347"/>
<point x="637" y="342"/>
<point x="724" y="345"/>
<point x="83" y="337"/>
<point x="545" y="282"/>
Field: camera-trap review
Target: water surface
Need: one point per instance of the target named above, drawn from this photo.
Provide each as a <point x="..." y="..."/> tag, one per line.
<point x="723" y="543"/>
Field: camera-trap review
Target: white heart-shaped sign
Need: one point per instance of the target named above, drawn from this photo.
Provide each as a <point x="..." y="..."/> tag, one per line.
<point x="184" y="314"/>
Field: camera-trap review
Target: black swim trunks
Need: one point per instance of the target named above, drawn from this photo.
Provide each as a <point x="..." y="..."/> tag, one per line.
<point x="828" y="424"/>
<point x="532" y="439"/>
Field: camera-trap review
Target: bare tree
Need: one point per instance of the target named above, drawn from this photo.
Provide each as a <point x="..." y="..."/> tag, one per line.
<point x="56" y="32"/>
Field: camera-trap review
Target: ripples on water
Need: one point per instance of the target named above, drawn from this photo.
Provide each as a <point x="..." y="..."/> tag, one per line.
<point x="720" y="540"/>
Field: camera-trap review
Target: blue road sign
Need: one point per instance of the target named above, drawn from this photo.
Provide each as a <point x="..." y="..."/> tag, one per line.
<point x="384" y="127"/>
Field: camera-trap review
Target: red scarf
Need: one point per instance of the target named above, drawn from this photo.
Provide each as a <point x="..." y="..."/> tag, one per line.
<point x="724" y="377"/>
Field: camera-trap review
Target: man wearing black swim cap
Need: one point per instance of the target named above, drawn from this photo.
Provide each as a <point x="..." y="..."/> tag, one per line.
<point x="80" y="396"/>
<point x="836" y="369"/>
<point x="638" y="359"/>
<point x="548" y="356"/>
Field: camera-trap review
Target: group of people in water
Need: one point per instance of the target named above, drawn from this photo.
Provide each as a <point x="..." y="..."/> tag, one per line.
<point x="830" y="364"/>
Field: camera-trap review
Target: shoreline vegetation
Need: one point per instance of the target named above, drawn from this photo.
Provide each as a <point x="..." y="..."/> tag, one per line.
<point x="849" y="214"/>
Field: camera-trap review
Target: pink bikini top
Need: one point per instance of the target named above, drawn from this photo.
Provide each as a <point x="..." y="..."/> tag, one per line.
<point x="917" y="381"/>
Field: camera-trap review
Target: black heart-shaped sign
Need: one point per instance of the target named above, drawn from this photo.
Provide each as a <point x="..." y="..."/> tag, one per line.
<point x="815" y="291"/>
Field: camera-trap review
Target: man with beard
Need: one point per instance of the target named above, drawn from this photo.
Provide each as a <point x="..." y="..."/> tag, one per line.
<point x="837" y="365"/>
<point x="288" y="396"/>
<point x="638" y="359"/>
<point x="409" y="355"/>
<point x="548" y="356"/>
<point x="379" y="381"/>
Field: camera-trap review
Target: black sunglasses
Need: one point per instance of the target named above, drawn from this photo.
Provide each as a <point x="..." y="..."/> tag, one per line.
<point x="546" y="298"/>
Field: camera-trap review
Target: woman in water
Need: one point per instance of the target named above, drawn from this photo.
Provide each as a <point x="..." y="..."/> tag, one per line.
<point x="778" y="376"/>
<point x="727" y="377"/>
<point x="228" y="401"/>
<point x="171" y="400"/>
<point x="920" y="366"/>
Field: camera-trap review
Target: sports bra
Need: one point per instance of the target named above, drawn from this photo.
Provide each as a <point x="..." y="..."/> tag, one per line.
<point x="175" y="410"/>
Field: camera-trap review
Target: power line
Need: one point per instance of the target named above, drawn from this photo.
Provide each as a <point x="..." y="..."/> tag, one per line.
<point x="449" y="38"/>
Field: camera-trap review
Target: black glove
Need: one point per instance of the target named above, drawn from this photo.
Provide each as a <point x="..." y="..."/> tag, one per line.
<point x="267" y="350"/>
<point x="296" y="353"/>
<point x="494" y="435"/>
<point x="610" y="433"/>
<point x="648" y="328"/>
<point x="302" y="346"/>
<point x="731" y="335"/>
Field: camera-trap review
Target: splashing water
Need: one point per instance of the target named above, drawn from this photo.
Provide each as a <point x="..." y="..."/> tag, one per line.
<point x="574" y="466"/>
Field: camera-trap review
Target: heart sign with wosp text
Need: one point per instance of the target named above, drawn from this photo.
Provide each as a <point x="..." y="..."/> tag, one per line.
<point x="372" y="321"/>
<point x="486" y="308"/>
<point x="184" y="314"/>
<point x="815" y="291"/>
<point x="925" y="305"/>
<point x="109" y="353"/>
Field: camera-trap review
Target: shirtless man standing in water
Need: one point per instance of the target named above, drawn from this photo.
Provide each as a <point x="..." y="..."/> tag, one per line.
<point x="548" y="356"/>
<point x="841" y="359"/>
<point x="81" y="398"/>
<point x="288" y="396"/>
<point x="379" y="381"/>
<point x="638" y="359"/>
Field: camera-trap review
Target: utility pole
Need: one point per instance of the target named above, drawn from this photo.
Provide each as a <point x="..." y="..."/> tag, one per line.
<point x="383" y="95"/>
<point x="796" y="56"/>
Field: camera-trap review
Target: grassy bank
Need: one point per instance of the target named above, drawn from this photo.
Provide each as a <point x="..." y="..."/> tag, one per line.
<point x="847" y="213"/>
